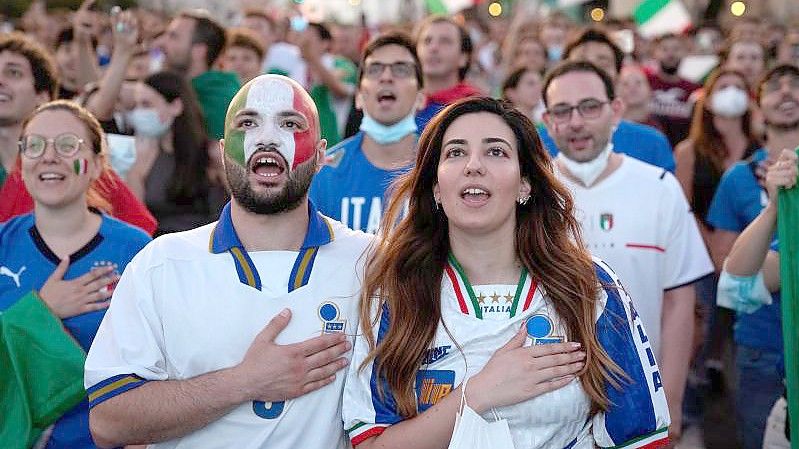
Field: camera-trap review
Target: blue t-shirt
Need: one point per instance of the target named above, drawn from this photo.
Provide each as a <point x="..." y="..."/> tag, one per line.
<point x="636" y="140"/>
<point x="423" y="116"/>
<point x="350" y="189"/>
<point x="25" y="264"/>
<point x="738" y="200"/>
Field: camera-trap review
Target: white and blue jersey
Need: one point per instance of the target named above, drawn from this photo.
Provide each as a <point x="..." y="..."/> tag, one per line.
<point x="25" y="264"/>
<point x="636" y="140"/>
<point x="193" y="302"/>
<point x="738" y="200"/>
<point x="350" y="189"/>
<point x="481" y="319"/>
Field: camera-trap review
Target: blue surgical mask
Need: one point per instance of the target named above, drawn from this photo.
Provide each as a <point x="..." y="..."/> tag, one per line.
<point x="145" y="122"/>
<point x="386" y="134"/>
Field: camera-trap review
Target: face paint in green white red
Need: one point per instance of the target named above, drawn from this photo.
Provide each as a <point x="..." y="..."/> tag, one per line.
<point x="80" y="166"/>
<point x="270" y="106"/>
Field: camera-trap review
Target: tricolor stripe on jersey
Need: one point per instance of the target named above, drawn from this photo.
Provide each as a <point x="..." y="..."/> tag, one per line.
<point x="525" y="290"/>
<point x="224" y="238"/>
<point x="113" y="386"/>
<point x="637" y="417"/>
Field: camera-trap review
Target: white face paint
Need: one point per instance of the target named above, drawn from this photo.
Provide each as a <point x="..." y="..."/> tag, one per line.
<point x="269" y="98"/>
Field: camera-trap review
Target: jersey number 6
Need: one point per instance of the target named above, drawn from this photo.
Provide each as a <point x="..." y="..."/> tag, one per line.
<point x="271" y="412"/>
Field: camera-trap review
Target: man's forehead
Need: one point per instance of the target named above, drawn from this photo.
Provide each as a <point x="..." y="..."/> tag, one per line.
<point x="574" y="87"/>
<point x="389" y="54"/>
<point x="273" y="95"/>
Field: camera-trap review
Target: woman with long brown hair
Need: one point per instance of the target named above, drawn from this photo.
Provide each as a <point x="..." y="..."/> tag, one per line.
<point x="486" y="278"/>
<point x="721" y="134"/>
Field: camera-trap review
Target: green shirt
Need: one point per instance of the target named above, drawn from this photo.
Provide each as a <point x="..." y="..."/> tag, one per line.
<point x="333" y="112"/>
<point x="3" y="175"/>
<point x="214" y="91"/>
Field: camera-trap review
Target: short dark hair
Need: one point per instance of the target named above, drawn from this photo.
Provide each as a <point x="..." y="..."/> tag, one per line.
<point x="43" y="67"/>
<point x="466" y="40"/>
<point x="392" y="38"/>
<point x="245" y="38"/>
<point x="322" y="30"/>
<point x="261" y="15"/>
<point x="67" y="35"/>
<point x="206" y="31"/>
<point x="775" y="72"/>
<point x="577" y="66"/>
<point x="512" y="80"/>
<point x="599" y="36"/>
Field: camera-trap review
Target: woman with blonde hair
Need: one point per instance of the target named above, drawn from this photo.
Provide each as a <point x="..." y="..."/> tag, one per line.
<point x="486" y="279"/>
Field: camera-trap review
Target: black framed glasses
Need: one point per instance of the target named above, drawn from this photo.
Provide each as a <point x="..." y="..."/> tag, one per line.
<point x="401" y="69"/>
<point x="590" y="108"/>
<point x="66" y="145"/>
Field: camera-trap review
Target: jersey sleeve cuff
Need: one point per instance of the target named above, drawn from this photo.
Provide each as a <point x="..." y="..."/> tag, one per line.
<point x="363" y="431"/>
<point x="654" y="440"/>
<point x="107" y="389"/>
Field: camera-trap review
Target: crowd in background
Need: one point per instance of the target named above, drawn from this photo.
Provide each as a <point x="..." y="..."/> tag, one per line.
<point x="703" y="104"/>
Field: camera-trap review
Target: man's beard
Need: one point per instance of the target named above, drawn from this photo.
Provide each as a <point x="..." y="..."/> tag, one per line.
<point x="287" y="199"/>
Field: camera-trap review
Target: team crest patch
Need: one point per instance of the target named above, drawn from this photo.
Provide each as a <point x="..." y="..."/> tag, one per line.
<point x="606" y="222"/>
<point x="433" y="355"/>
<point x="540" y="330"/>
<point x="329" y="314"/>
<point x="432" y="386"/>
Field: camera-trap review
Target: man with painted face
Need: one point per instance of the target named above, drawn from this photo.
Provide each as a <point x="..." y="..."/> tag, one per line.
<point x="352" y="185"/>
<point x="632" y="214"/>
<point x="234" y="334"/>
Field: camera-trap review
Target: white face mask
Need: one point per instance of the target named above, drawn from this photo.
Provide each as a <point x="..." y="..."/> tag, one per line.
<point x="473" y="432"/>
<point x="587" y="172"/>
<point x="146" y="122"/>
<point x="729" y="102"/>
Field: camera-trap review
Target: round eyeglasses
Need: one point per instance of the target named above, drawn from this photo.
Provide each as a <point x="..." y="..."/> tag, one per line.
<point x="33" y="146"/>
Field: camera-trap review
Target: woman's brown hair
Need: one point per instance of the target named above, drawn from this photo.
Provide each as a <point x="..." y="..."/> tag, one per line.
<point x="707" y="140"/>
<point x="404" y="272"/>
<point x="97" y="144"/>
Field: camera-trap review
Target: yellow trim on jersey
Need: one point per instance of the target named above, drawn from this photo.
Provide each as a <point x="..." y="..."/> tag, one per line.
<point x="244" y="265"/>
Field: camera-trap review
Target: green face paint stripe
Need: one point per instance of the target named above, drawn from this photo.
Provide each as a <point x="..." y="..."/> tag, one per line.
<point x="234" y="139"/>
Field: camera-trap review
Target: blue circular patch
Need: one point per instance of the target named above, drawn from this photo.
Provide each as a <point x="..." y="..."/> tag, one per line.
<point x="538" y="326"/>
<point x="328" y="312"/>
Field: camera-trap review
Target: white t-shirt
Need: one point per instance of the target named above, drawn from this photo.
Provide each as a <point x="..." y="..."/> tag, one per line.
<point x="639" y="222"/>
<point x="180" y="311"/>
<point x="637" y="417"/>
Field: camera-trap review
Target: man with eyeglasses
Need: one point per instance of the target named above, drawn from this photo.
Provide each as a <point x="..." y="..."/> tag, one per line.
<point x="632" y="214"/>
<point x="351" y="187"/>
<point x="740" y="197"/>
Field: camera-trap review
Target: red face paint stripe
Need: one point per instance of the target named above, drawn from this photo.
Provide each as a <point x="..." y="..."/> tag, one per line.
<point x="458" y="294"/>
<point x="304" y="142"/>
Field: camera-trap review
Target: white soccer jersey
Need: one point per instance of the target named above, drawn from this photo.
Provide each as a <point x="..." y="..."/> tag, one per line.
<point x="638" y="415"/>
<point x="193" y="302"/>
<point x="639" y="222"/>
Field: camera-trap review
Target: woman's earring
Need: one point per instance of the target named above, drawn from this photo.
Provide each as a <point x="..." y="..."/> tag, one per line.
<point x="523" y="200"/>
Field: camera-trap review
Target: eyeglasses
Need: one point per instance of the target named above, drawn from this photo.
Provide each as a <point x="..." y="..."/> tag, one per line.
<point x="398" y="69"/>
<point x="66" y="145"/>
<point x="589" y="108"/>
<point x="774" y="83"/>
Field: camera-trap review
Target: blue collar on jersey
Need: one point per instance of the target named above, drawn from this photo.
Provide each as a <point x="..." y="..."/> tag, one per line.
<point x="224" y="238"/>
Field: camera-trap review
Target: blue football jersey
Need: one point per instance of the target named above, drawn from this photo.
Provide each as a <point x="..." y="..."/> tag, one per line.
<point x="350" y="189"/>
<point x="25" y="264"/>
